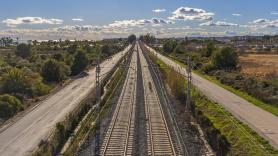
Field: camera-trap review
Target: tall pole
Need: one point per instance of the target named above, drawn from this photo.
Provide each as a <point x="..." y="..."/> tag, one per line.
<point x="97" y="140"/>
<point x="189" y="81"/>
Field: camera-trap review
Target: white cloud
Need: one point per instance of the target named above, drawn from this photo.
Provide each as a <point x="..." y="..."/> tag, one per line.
<point x="218" y="23"/>
<point x="159" y="10"/>
<point x="264" y="23"/>
<point x="31" y="20"/>
<point x="236" y="15"/>
<point x="180" y="28"/>
<point x="274" y="13"/>
<point x="257" y="21"/>
<point x="186" y="13"/>
<point x="78" y="28"/>
<point x="78" y="19"/>
<point x="138" y="23"/>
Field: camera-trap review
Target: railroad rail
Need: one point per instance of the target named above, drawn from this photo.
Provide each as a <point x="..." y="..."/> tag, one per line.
<point x="120" y="134"/>
<point x="159" y="140"/>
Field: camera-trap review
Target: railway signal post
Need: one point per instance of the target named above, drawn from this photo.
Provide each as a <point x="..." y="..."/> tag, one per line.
<point x="189" y="81"/>
<point x="97" y="140"/>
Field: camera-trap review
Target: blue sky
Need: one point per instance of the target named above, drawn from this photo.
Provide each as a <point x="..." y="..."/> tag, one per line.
<point x="96" y="19"/>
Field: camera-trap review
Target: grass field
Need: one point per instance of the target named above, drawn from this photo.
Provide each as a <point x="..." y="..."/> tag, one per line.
<point x="260" y="65"/>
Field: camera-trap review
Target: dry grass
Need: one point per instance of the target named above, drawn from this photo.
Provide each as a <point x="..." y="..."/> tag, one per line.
<point x="260" y="65"/>
<point x="5" y="52"/>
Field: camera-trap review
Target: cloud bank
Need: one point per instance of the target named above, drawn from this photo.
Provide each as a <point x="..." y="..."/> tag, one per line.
<point x="186" y="13"/>
<point x="218" y="23"/>
<point x="31" y="20"/>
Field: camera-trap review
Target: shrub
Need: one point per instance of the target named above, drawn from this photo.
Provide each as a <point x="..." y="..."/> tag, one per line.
<point x="59" y="57"/>
<point x="80" y="63"/>
<point x="23" y="82"/>
<point x="169" y="46"/>
<point x="208" y="68"/>
<point x="41" y="89"/>
<point x="54" y="71"/>
<point x="72" y="48"/>
<point x="15" y="81"/>
<point x="23" y="50"/>
<point x="209" y="49"/>
<point x="106" y="50"/>
<point x="9" y="105"/>
<point x="179" y="49"/>
<point x="226" y="58"/>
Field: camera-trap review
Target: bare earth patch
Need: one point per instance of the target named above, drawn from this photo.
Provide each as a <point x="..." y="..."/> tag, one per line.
<point x="260" y="65"/>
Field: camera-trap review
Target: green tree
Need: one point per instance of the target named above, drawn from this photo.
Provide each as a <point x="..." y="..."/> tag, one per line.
<point x="72" y="48"/>
<point x="180" y="48"/>
<point x="148" y="38"/>
<point x="35" y="80"/>
<point x="209" y="49"/>
<point x="54" y="71"/>
<point x="23" y="50"/>
<point x="9" y="105"/>
<point x="131" y="38"/>
<point x="106" y="50"/>
<point x="15" y="81"/>
<point x="80" y="62"/>
<point x="6" y="41"/>
<point x="169" y="46"/>
<point x="225" y="58"/>
<point x="23" y="82"/>
<point x="59" y="57"/>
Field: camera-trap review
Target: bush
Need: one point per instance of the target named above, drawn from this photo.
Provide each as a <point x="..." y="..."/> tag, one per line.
<point x="23" y="50"/>
<point x="72" y="48"/>
<point x="209" y="49"/>
<point x="262" y="90"/>
<point x="15" y="81"/>
<point x="169" y="46"/>
<point x="54" y="71"/>
<point x="41" y="89"/>
<point x="226" y="58"/>
<point x="147" y="38"/>
<point x="80" y="63"/>
<point x="59" y="57"/>
<point x="9" y="105"/>
<point x="23" y="82"/>
<point x="208" y="68"/>
<point x="179" y="49"/>
<point x="106" y="50"/>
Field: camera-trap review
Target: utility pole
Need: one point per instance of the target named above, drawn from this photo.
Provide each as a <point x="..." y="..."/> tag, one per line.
<point x="97" y="139"/>
<point x="189" y="81"/>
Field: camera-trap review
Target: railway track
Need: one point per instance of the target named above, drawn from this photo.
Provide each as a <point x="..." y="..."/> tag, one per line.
<point x="159" y="140"/>
<point x="120" y="134"/>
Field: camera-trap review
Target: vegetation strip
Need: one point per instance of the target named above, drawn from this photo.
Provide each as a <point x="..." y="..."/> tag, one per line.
<point x="88" y="124"/>
<point x="226" y="134"/>
<point x="55" y="142"/>
<point x="268" y="107"/>
<point x="30" y="71"/>
<point x="221" y="66"/>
